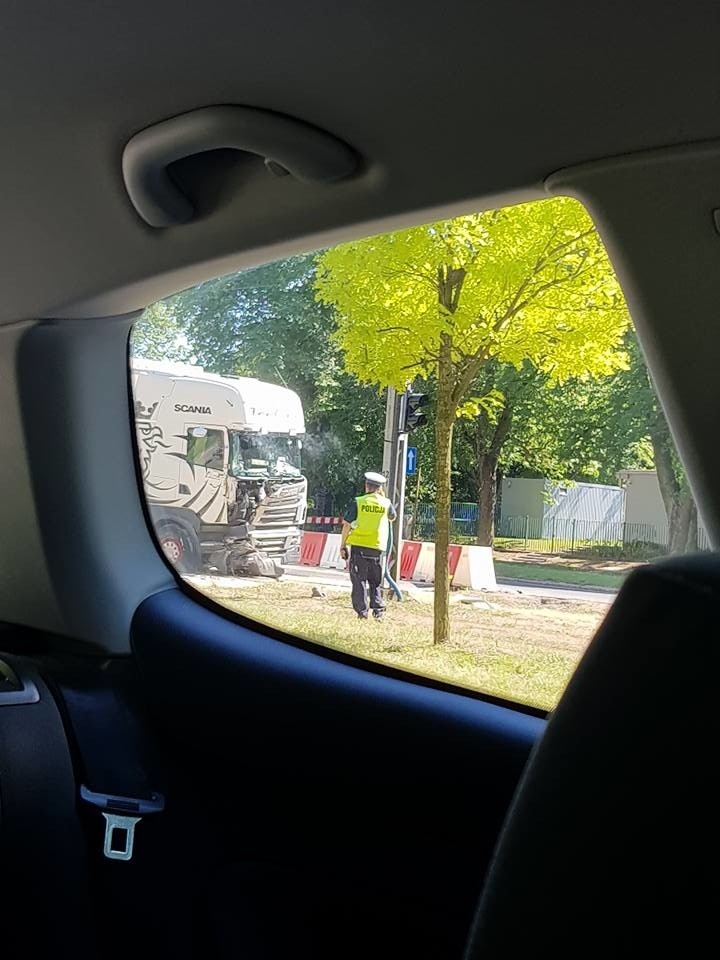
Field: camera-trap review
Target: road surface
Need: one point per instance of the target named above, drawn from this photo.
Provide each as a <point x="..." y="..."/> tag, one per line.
<point x="556" y="591"/>
<point x="423" y="591"/>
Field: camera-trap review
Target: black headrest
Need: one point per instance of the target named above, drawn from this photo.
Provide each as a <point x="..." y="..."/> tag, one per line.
<point x="610" y="845"/>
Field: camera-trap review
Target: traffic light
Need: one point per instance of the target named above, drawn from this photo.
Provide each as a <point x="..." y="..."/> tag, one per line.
<point x="414" y="416"/>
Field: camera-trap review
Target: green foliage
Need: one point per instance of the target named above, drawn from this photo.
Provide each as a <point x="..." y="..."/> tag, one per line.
<point x="489" y="405"/>
<point x="158" y="335"/>
<point x="586" y="429"/>
<point x="594" y="427"/>
<point x="267" y="323"/>
<point x="527" y="286"/>
<point x="527" y="283"/>
<point x="536" y="322"/>
<point x="563" y="432"/>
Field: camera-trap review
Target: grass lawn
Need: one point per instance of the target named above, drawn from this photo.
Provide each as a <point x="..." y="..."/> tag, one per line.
<point x="559" y="573"/>
<point x="519" y="648"/>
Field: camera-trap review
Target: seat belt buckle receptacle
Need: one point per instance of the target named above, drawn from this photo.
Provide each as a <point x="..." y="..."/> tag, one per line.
<point x="122" y="814"/>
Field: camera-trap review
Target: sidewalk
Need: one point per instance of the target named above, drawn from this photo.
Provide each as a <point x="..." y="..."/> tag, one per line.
<point x="339" y="580"/>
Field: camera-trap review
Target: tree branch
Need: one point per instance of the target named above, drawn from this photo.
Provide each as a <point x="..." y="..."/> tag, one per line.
<point x="449" y="286"/>
<point x="542" y="261"/>
<point x="568" y="243"/>
<point x="467" y="374"/>
<point x="548" y="285"/>
<point x="502" y="429"/>
<point x="413" y="274"/>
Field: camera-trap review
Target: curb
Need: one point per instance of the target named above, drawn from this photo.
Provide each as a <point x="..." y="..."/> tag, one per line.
<point x="558" y="585"/>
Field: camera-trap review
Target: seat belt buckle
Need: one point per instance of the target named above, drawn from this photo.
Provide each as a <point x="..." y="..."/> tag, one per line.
<point x="122" y="814"/>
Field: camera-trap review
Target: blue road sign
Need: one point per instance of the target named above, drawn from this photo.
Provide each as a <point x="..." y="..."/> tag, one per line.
<point x="411" y="461"/>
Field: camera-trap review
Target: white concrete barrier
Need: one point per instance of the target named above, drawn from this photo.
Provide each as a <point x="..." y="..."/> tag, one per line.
<point x="425" y="566"/>
<point x="331" y="553"/>
<point x="475" y="569"/>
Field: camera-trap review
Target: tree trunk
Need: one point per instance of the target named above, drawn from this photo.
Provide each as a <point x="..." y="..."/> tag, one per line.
<point x="679" y="503"/>
<point x="691" y="544"/>
<point x="444" y="425"/>
<point x="683" y="524"/>
<point x="486" y="499"/>
<point x="487" y="455"/>
<point x="450" y="282"/>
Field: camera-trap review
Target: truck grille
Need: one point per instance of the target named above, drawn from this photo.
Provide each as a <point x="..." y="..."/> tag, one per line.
<point x="275" y="546"/>
<point x="280" y="509"/>
<point x="281" y="514"/>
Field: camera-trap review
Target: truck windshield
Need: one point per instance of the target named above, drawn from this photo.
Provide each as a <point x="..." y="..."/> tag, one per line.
<point x="267" y="455"/>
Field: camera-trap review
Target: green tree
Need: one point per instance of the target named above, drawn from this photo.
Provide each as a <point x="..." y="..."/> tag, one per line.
<point x="537" y="428"/>
<point x="159" y="334"/>
<point x="526" y="284"/>
<point x="629" y="421"/>
<point x="487" y="435"/>
<point x="589" y="429"/>
<point x="267" y="323"/>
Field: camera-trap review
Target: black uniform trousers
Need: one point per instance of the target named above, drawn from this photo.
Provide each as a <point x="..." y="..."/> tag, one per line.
<point x="366" y="575"/>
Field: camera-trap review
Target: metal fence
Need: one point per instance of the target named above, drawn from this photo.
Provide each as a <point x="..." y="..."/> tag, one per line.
<point x="463" y="521"/>
<point x="556" y="535"/>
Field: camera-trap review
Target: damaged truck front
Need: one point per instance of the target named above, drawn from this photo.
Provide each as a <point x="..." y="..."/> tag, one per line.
<point x="221" y="464"/>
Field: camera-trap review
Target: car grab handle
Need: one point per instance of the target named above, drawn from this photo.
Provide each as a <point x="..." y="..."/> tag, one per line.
<point x="288" y="146"/>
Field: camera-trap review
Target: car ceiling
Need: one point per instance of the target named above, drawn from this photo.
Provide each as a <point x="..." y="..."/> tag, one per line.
<point x="447" y="104"/>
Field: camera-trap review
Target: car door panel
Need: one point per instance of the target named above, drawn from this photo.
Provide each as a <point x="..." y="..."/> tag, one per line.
<point x="342" y="810"/>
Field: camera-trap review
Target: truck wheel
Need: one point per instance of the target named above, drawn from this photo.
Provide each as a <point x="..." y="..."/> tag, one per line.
<point x="180" y="548"/>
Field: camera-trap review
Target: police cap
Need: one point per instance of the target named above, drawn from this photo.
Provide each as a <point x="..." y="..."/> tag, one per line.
<point x="377" y="479"/>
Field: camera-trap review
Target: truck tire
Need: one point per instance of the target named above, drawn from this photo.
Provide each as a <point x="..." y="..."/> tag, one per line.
<point x="180" y="547"/>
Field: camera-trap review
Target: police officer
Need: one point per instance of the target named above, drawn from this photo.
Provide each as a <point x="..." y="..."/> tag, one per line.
<point x="365" y="531"/>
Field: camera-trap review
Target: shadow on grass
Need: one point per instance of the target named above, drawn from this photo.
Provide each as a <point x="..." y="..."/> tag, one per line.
<point x="521" y="649"/>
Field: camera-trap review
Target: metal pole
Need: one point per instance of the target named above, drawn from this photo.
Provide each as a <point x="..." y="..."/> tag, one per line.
<point x="527" y="530"/>
<point x="400" y="504"/>
<point x="413" y="528"/>
<point x="389" y="436"/>
<point x="392" y="447"/>
<point x="396" y="487"/>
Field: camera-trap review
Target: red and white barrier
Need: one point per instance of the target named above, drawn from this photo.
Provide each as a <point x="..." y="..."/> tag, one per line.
<point x="408" y="558"/>
<point x="475" y="569"/>
<point x="469" y="566"/>
<point x="454" y="554"/>
<point x="311" y="548"/>
<point x="425" y="566"/>
<point x="331" y="553"/>
<point x="324" y="521"/>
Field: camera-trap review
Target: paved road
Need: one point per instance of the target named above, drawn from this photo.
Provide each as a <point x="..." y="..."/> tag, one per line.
<point x="527" y="588"/>
<point x="558" y="591"/>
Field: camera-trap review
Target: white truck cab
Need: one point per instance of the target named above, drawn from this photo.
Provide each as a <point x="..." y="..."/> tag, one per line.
<point x="220" y="461"/>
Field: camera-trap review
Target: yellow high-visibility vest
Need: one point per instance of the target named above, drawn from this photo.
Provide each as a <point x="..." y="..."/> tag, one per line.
<point x="370" y="529"/>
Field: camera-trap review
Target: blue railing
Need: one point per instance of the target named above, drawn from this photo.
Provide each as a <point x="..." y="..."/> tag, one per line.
<point x="463" y="520"/>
